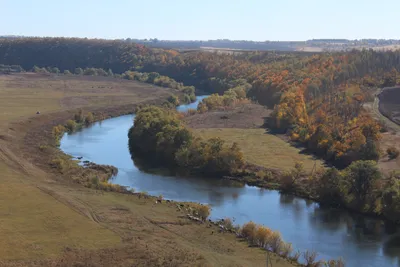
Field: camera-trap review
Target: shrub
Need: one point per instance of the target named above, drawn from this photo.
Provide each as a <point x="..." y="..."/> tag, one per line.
<point x="309" y="258"/>
<point x="203" y="211"/>
<point x="67" y="72"/>
<point x="79" y="71"/>
<point x="275" y="242"/>
<point x="90" y="72"/>
<point x="370" y="151"/>
<point x="89" y="118"/>
<point x="58" y="131"/>
<point x="295" y="257"/>
<point x="143" y="194"/>
<point x="228" y="224"/>
<point x="248" y="231"/>
<point x="71" y="125"/>
<point x="286" y="249"/>
<point x="95" y="182"/>
<point x="335" y="263"/>
<point x="59" y="164"/>
<point x="79" y="117"/>
<point x="174" y="100"/>
<point x="392" y="152"/>
<point x="262" y="234"/>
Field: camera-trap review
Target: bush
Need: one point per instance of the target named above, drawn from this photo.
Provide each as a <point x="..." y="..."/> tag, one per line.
<point x="59" y="164"/>
<point x="370" y="151"/>
<point x="228" y="224"/>
<point x="335" y="263"/>
<point x="95" y="182"/>
<point x="79" y="117"/>
<point x="71" y="125"/>
<point x="262" y="236"/>
<point x="248" y="231"/>
<point x="275" y="242"/>
<point x="58" y="131"/>
<point x="392" y="152"/>
<point x="174" y="100"/>
<point x="202" y="211"/>
<point x="286" y="249"/>
<point x="89" y="118"/>
<point x="90" y="72"/>
<point x="309" y="258"/>
<point x="79" y="71"/>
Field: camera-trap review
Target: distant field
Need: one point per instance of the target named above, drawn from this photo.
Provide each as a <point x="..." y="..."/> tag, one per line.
<point x="25" y="94"/>
<point x="261" y="148"/>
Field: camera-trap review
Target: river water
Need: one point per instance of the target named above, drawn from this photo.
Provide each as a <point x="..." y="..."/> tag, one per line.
<point x="359" y="240"/>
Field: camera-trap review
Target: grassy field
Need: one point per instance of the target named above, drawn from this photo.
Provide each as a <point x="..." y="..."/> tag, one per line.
<point x="35" y="225"/>
<point x="261" y="148"/>
<point x="47" y="220"/>
<point x="244" y="125"/>
<point x="23" y="95"/>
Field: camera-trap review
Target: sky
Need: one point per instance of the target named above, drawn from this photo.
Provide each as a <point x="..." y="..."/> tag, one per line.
<point x="258" y="20"/>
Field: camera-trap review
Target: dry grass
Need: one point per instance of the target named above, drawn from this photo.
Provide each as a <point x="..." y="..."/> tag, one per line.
<point x="47" y="220"/>
<point x="261" y="148"/>
<point x="34" y="224"/>
<point x="24" y="94"/>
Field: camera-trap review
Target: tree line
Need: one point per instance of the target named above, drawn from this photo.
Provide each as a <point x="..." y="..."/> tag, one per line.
<point x="152" y="78"/>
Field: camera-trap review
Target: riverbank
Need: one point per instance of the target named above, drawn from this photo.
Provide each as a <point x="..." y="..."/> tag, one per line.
<point x="307" y="227"/>
<point x="273" y="162"/>
<point x="59" y="220"/>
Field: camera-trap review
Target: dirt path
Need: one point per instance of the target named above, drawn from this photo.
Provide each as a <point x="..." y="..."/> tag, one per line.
<point x="376" y="111"/>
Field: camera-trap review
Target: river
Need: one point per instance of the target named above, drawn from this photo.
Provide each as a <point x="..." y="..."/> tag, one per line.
<point x="360" y="240"/>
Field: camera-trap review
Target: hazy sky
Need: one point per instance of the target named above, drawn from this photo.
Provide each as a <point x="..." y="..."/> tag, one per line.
<point x="202" y="19"/>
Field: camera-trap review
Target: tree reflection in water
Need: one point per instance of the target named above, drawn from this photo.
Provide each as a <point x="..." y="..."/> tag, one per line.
<point x="368" y="234"/>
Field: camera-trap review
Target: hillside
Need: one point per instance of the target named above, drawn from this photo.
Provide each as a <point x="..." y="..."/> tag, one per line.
<point x="49" y="220"/>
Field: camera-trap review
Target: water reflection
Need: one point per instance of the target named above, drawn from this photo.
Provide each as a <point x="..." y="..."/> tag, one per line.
<point x="361" y="241"/>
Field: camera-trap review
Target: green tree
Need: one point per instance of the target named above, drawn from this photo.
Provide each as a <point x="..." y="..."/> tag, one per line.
<point x="71" y="125"/>
<point x="361" y="183"/>
<point x="174" y="100"/>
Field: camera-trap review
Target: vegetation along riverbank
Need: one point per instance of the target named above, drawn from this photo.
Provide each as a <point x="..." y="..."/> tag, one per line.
<point x="164" y="133"/>
<point x="55" y="221"/>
